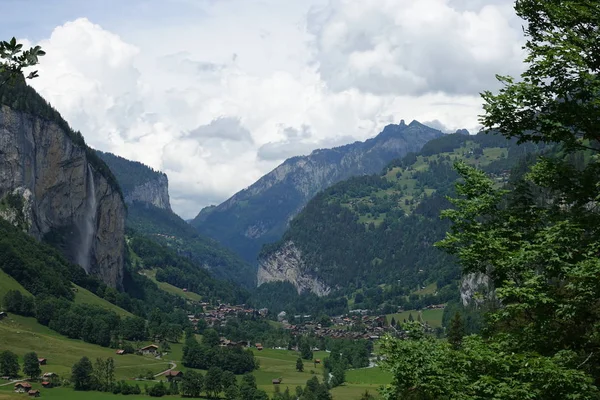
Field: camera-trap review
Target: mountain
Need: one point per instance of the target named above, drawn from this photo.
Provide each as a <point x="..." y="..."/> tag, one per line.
<point x="371" y="237"/>
<point x="261" y="213"/>
<point x="146" y="192"/>
<point x="139" y="182"/>
<point x="55" y="187"/>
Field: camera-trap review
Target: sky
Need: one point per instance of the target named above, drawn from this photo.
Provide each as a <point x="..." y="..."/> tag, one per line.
<point x="216" y="93"/>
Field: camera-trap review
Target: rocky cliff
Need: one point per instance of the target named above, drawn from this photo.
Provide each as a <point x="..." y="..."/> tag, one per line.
<point x="139" y="182"/>
<point x="261" y="213"/>
<point x="286" y="264"/>
<point x="54" y="191"/>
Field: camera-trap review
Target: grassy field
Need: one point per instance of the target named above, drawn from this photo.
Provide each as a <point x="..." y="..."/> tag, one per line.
<point x="8" y="283"/>
<point x="85" y="296"/>
<point x="167" y="287"/>
<point x="432" y="317"/>
<point x="22" y="335"/>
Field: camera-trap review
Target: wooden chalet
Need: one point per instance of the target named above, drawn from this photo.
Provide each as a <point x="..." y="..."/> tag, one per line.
<point x="47" y="384"/>
<point x="174" y="375"/>
<point x="277" y="381"/>
<point x="259" y="346"/>
<point x="22" y="387"/>
<point x="42" y="361"/>
<point x="3" y="315"/>
<point x="34" y="393"/>
<point x="149" y="350"/>
<point x="120" y="352"/>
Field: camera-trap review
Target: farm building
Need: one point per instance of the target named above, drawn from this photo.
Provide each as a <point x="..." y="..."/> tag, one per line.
<point x="42" y="361"/>
<point x="174" y="375"/>
<point x="22" y="387"/>
<point x="34" y="393"/>
<point x="149" y="350"/>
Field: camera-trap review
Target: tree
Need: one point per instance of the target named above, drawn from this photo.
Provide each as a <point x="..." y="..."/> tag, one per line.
<point x="192" y="384"/>
<point x="456" y="331"/>
<point x="212" y="381"/>
<point x="367" y="396"/>
<point x="228" y="379"/>
<point x="9" y="364"/>
<point x="13" y="60"/>
<point x="158" y="390"/>
<point x="31" y="365"/>
<point x="82" y="374"/>
<point x="210" y="338"/>
<point x="305" y="350"/>
<point x="299" y="365"/>
<point x="248" y="387"/>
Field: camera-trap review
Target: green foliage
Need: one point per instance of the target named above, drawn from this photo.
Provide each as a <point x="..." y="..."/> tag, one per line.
<point x="456" y="331"/>
<point x="13" y="59"/>
<point x="299" y="365"/>
<point x="202" y="356"/>
<point x="212" y="381"/>
<point x="31" y="365"/>
<point x="181" y="272"/>
<point x="14" y="301"/>
<point x="82" y="374"/>
<point x="9" y="364"/>
<point x="192" y="383"/>
<point x="168" y="229"/>
<point x="426" y="368"/>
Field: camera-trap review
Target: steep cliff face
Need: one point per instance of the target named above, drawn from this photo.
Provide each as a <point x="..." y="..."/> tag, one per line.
<point x="286" y="264"/>
<point x="261" y="213"/>
<point x="475" y="289"/>
<point x="155" y="192"/>
<point x="59" y="195"/>
<point x="139" y="182"/>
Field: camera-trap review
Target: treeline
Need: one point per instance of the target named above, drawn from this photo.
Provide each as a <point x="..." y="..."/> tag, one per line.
<point x="209" y="354"/>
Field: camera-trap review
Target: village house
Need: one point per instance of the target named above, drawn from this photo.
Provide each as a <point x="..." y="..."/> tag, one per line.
<point x="259" y="346"/>
<point x="3" y="315"/>
<point x="47" y="385"/>
<point x="150" y="350"/>
<point x="34" y="393"/>
<point x="120" y="352"/>
<point x="174" y="375"/>
<point x="22" y="387"/>
<point x="277" y="381"/>
<point x="49" y="376"/>
<point x="42" y="361"/>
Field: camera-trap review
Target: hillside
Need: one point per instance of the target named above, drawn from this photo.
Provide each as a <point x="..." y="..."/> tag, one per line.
<point x="372" y="237"/>
<point x="146" y="192"/>
<point x="261" y="213"/>
<point x="167" y="228"/>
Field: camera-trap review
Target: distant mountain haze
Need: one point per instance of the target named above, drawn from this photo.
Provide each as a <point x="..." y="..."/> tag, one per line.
<point x="260" y="213"/>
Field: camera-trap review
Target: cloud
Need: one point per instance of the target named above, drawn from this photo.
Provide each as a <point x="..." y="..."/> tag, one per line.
<point x="220" y="95"/>
<point x="414" y="47"/>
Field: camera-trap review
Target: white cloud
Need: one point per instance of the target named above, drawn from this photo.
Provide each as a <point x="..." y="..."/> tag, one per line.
<point x="218" y="100"/>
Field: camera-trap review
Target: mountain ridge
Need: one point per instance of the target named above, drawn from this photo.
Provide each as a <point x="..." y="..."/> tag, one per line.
<point x="260" y="213"/>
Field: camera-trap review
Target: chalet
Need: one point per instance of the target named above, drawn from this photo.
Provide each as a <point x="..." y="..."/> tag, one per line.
<point x="185" y="290"/>
<point x="149" y="350"/>
<point x="42" y="361"/>
<point x="318" y="361"/>
<point x="120" y="352"/>
<point x="277" y="381"/>
<point x="49" y="375"/>
<point x="47" y="385"/>
<point x="174" y="375"/>
<point x="22" y="387"/>
<point x="259" y="346"/>
<point x="34" y="393"/>
<point x="3" y="315"/>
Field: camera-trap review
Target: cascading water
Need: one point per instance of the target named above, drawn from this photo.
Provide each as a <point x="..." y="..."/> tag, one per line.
<point x="87" y="227"/>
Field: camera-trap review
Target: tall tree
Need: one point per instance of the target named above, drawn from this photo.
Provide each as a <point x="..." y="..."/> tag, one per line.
<point x="192" y="384"/>
<point x="9" y="364"/>
<point x="212" y="381"/>
<point x="456" y="331"/>
<point x="82" y="374"/>
<point x="31" y="365"/>
<point x="299" y="365"/>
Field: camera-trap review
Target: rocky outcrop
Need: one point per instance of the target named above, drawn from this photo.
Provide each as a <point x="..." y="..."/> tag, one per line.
<point x="260" y="214"/>
<point x="475" y="289"/>
<point x="139" y="182"/>
<point x="154" y="192"/>
<point x="64" y="198"/>
<point x="286" y="264"/>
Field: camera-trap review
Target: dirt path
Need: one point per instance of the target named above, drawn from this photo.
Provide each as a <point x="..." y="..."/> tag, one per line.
<point x="173" y="366"/>
<point x="9" y="383"/>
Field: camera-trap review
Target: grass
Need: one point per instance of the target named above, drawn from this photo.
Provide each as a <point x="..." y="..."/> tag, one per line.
<point x="429" y="289"/>
<point x="23" y="334"/>
<point x="8" y="283"/>
<point x="85" y="296"/>
<point x="432" y="317"/>
<point x="167" y="287"/>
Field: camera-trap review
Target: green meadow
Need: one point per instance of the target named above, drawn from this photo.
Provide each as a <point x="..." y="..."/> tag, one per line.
<point x="432" y="317"/>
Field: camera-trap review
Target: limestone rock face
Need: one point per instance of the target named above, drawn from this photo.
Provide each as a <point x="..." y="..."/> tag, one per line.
<point x="64" y="199"/>
<point x="154" y="192"/>
<point x="475" y="289"/>
<point x="286" y="264"/>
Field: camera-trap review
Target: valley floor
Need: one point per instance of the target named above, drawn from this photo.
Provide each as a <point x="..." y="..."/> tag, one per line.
<point x="21" y="335"/>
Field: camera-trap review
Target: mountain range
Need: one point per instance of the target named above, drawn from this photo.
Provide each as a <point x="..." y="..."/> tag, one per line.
<point x="260" y="213"/>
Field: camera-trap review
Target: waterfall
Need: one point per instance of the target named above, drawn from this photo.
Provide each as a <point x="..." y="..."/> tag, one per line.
<point x="88" y="225"/>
